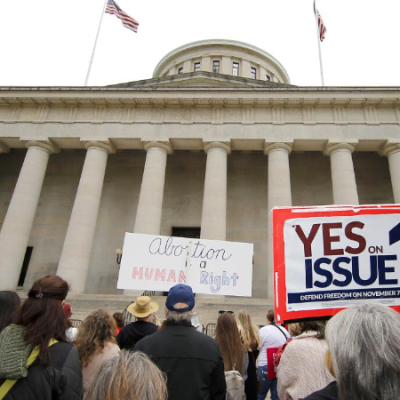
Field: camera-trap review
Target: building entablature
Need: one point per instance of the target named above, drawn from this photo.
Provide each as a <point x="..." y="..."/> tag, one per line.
<point x="307" y="117"/>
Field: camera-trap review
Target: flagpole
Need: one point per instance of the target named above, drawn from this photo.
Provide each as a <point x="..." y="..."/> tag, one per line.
<point x="319" y="45"/>
<point x="95" y="43"/>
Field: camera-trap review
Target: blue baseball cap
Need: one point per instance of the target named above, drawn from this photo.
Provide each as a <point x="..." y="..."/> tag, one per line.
<point x="180" y="293"/>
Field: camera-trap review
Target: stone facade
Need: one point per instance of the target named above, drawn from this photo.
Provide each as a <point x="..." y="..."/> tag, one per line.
<point x="82" y="166"/>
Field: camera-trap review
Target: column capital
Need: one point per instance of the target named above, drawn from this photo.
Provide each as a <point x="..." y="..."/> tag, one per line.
<point x="331" y="147"/>
<point x="104" y="145"/>
<point x="389" y="148"/>
<point x="217" y="145"/>
<point x="4" y="148"/>
<point x="268" y="147"/>
<point x="45" y="145"/>
<point x="164" y="145"/>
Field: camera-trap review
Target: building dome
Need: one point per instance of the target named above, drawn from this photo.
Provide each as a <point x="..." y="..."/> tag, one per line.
<point x="227" y="57"/>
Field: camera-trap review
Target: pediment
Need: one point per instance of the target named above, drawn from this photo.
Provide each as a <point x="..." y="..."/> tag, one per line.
<point x="200" y="79"/>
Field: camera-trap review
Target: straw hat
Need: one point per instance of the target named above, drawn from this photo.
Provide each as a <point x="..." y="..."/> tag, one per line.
<point x="143" y="307"/>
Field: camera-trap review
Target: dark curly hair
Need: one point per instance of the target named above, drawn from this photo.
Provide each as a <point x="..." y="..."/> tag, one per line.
<point x="119" y="319"/>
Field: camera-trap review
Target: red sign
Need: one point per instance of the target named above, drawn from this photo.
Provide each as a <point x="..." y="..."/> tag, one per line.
<point x="333" y="257"/>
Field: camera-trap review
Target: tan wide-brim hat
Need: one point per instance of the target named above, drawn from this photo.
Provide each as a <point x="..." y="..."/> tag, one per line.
<point x="143" y="307"/>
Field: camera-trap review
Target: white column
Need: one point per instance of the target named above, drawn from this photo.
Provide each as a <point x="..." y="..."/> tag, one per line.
<point x="213" y="219"/>
<point x="343" y="177"/>
<point x="279" y="194"/>
<point x="75" y="256"/>
<point x="149" y="211"/>
<point x="21" y="212"/>
<point x="392" y="151"/>
<point x="148" y="216"/>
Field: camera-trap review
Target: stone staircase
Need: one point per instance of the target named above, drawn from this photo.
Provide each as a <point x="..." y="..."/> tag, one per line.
<point x="207" y="307"/>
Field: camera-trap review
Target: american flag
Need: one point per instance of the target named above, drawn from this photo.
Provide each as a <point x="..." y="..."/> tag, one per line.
<point x="321" y="27"/>
<point x="127" y="21"/>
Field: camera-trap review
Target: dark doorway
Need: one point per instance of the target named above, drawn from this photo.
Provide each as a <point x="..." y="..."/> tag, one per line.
<point x="25" y="265"/>
<point x="193" y="233"/>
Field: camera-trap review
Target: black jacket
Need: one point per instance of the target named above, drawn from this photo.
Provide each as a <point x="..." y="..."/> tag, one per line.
<point x="61" y="379"/>
<point x="132" y="333"/>
<point x="191" y="360"/>
<point x="329" y="392"/>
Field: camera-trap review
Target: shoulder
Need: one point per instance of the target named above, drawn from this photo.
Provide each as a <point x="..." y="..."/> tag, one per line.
<point x="265" y="329"/>
<point x="308" y="342"/>
<point x="111" y="348"/>
<point x="62" y="354"/>
<point x="207" y="340"/>
<point x="61" y="349"/>
<point x="148" y="341"/>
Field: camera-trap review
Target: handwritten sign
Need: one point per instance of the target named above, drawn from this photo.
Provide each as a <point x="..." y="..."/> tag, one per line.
<point x="330" y="258"/>
<point x="210" y="266"/>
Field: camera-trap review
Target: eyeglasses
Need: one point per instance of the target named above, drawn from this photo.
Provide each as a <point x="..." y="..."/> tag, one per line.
<point x="225" y="311"/>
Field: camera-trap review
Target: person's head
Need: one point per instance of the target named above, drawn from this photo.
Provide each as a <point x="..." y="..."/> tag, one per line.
<point x="230" y="344"/>
<point x="142" y="308"/>
<point x="43" y="314"/>
<point x="365" y="352"/>
<point x="180" y="303"/>
<point x="250" y="334"/>
<point x="96" y="331"/>
<point x="129" y="376"/>
<point x="270" y="317"/>
<point x="316" y="326"/>
<point x="294" y="329"/>
<point x="119" y="319"/>
<point x="9" y="306"/>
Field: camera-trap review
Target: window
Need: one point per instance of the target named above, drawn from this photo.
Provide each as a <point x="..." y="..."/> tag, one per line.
<point x="186" y="232"/>
<point x="216" y="67"/>
<point x="235" y="69"/>
<point x="180" y="70"/>
<point x="196" y="66"/>
<point x="253" y="73"/>
<point x="268" y="78"/>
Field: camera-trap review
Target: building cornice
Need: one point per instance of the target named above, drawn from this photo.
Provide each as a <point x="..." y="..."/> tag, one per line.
<point x="250" y="98"/>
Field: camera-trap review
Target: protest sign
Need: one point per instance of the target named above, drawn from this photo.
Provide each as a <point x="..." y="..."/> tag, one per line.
<point x="334" y="257"/>
<point x="213" y="267"/>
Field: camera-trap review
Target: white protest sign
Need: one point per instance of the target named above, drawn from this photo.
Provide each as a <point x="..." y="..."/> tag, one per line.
<point x="213" y="267"/>
<point x="338" y="261"/>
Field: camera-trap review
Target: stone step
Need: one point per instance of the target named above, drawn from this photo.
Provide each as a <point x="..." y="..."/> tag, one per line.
<point x="206" y="307"/>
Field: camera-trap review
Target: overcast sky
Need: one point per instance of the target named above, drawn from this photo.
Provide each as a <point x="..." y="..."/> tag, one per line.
<point x="49" y="42"/>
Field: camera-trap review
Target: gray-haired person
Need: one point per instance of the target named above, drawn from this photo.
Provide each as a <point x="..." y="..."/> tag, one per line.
<point x="191" y="360"/>
<point x="129" y="376"/>
<point x="364" y="354"/>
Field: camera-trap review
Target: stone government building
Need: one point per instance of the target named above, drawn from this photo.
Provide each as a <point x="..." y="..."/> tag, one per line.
<point x="214" y="140"/>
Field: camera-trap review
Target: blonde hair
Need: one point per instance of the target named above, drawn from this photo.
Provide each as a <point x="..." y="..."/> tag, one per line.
<point x="249" y="331"/>
<point x="93" y="335"/>
<point x="294" y="329"/>
<point x="129" y="376"/>
<point x="154" y="320"/>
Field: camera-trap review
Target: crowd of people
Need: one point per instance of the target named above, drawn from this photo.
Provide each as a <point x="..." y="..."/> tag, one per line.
<point x="355" y="355"/>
